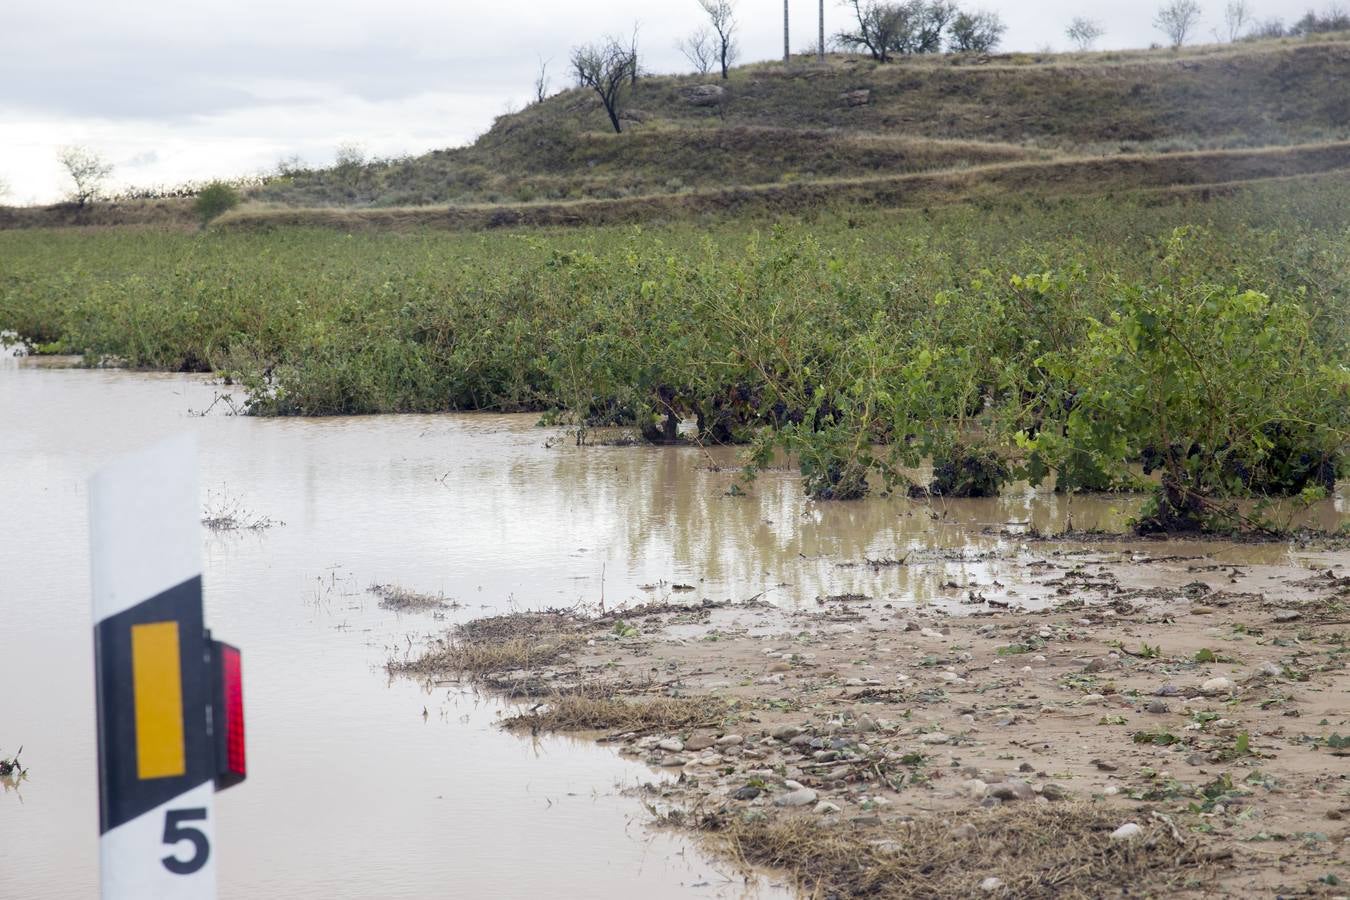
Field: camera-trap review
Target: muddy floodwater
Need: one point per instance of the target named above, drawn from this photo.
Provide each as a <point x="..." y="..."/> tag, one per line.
<point x="360" y="785"/>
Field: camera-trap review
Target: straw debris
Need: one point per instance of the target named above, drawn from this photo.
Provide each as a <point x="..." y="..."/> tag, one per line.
<point x="601" y="709"/>
<point x="1065" y="852"/>
<point x="499" y="644"/>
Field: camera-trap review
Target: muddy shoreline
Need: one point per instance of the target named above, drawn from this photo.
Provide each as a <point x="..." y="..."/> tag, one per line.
<point x="1166" y="719"/>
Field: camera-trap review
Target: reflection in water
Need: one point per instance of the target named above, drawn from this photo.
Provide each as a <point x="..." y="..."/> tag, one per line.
<point x="365" y="787"/>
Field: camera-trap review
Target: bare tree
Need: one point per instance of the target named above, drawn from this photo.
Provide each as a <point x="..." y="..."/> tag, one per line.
<point x="87" y="170"/>
<point x="1236" y="16"/>
<point x="787" y="35"/>
<point x="605" y="68"/>
<point x="541" y="81"/>
<point x="1178" y="19"/>
<point x="722" y="17"/>
<point x="888" y="29"/>
<point x="1084" y="32"/>
<point x="700" y="49"/>
<point x="978" y="32"/>
<point x="633" y="54"/>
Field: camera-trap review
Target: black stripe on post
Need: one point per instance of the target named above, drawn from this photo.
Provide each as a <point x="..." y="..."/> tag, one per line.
<point x="123" y="795"/>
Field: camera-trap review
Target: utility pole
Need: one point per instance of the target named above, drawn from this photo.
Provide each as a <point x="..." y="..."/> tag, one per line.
<point x="787" y="43"/>
<point x="822" y="30"/>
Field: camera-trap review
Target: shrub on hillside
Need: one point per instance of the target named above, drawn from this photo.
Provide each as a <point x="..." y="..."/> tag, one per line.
<point x="216" y="199"/>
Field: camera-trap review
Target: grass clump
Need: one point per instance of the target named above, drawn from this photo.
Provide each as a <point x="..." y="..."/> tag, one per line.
<point x="1064" y="852"/>
<point x="498" y="644"/>
<point x="400" y="599"/>
<point x="601" y="709"/>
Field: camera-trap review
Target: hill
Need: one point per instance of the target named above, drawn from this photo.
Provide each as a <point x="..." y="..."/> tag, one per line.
<point x="775" y="138"/>
<point x="853" y="118"/>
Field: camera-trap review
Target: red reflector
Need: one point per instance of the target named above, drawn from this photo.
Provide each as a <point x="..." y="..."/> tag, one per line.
<point x="233" y="676"/>
<point x="228" y="715"/>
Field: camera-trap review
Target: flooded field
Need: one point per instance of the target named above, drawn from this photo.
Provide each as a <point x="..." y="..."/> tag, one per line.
<point x="362" y="785"/>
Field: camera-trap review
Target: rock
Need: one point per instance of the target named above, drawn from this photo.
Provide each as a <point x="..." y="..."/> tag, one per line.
<point x="1054" y="791"/>
<point x="1094" y="665"/>
<point x="826" y="808"/>
<point x="1157" y="707"/>
<point x="1202" y="610"/>
<point x="856" y="98"/>
<point x="672" y="745"/>
<point x="991" y="884"/>
<point x="1012" y="789"/>
<point x="800" y="797"/>
<point x="1093" y="698"/>
<point x="730" y="740"/>
<point x="785" y="732"/>
<point x="935" y="737"/>
<point x="867" y="723"/>
<point x="1287" y="615"/>
<point x="931" y="633"/>
<point x="906" y="625"/>
<point x="1127" y="832"/>
<point x="670" y="761"/>
<point x="965" y="832"/>
<point x="1216" y="686"/>
<point x="1196" y="759"/>
<point x="749" y="792"/>
<point x="705" y="95"/>
<point x="975" y="789"/>
<point x="698" y="742"/>
<point x="1167" y="690"/>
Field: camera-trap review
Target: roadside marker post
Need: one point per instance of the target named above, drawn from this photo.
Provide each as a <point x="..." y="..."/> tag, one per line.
<point x="169" y="698"/>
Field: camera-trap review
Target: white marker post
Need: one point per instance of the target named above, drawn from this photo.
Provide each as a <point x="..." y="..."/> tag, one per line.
<point x="169" y="699"/>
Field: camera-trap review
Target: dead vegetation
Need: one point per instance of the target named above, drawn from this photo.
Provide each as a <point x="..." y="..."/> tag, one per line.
<point x="399" y="599"/>
<point x="499" y="644"/>
<point x="1062" y="852"/>
<point x="227" y="513"/>
<point x="605" y="710"/>
<point x="10" y="767"/>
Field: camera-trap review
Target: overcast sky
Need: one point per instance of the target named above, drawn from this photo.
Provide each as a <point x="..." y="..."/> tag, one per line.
<point x="172" y="90"/>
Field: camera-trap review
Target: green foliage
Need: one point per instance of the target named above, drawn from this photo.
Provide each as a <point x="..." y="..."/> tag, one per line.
<point x="215" y="199"/>
<point x="1055" y="341"/>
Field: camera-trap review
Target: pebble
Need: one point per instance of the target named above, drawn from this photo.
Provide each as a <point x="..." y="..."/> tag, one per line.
<point x="1127" y="832"/>
<point x="1094" y="665"/>
<point x="930" y="633"/>
<point x="1093" y="698"/>
<point x="785" y="732"/>
<point x="673" y="745"/>
<point x="826" y="808"/>
<point x="800" y="797"/>
<point x="730" y="740"/>
<point x="991" y="884"/>
<point x="1158" y="707"/>
<point x="1054" y="791"/>
<point x="1012" y="789"/>
<point x="1287" y="615"/>
<point x="1167" y="690"/>
<point x="975" y="789"/>
<point x="697" y="742"/>
<point x="749" y="792"/>
<point x="1216" y="686"/>
<point x="867" y="723"/>
<point x="935" y="737"/>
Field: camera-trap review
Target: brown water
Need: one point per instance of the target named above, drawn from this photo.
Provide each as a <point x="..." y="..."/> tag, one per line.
<point x="363" y="786"/>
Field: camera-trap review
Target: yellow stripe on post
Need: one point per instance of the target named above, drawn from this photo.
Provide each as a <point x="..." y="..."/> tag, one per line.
<point x="157" y="684"/>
